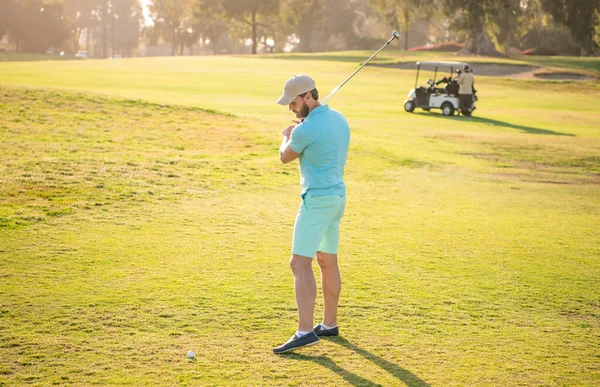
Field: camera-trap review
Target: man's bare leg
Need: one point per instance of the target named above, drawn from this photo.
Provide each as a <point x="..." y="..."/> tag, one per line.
<point x="332" y="286"/>
<point x="305" y="288"/>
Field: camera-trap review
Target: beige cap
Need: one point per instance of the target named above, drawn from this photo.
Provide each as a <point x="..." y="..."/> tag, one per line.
<point x="296" y="85"/>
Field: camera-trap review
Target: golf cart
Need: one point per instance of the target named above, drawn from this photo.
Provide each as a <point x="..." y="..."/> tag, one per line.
<point x="435" y="97"/>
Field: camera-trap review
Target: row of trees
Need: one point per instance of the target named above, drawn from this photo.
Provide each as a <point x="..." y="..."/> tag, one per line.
<point x="487" y="26"/>
<point x="36" y="25"/>
<point x="270" y="24"/>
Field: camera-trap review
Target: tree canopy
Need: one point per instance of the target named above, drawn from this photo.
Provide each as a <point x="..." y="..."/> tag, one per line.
<point x="582" y="18"/>
<point x="488" y="27"/>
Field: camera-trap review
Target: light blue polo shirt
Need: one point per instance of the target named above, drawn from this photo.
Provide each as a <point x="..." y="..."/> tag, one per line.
<point x="322" y="140"/>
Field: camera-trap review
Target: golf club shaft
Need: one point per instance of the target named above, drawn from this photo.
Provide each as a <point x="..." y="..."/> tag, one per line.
<point x="394" y="36"/>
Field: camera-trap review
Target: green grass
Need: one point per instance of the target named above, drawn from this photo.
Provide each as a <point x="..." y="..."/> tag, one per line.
<point x="590" y="65"/>
<point x="566" y="62"/>
<point x="144" y="212"/>
<point x="585" y="65"/>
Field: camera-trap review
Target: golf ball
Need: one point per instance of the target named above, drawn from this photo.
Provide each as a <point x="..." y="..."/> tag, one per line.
<point x="191" y="355"/>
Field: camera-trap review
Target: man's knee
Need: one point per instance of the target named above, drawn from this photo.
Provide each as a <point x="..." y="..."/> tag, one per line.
<point x="326" y="261"/>
<point x="299" y="263"/>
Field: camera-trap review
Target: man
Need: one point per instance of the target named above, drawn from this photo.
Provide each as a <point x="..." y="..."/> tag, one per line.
<point x="466" y="81"/>
<point x="320" y="143"/>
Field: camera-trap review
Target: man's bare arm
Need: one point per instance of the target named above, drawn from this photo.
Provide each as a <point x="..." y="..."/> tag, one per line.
<point x="286" y="153"/>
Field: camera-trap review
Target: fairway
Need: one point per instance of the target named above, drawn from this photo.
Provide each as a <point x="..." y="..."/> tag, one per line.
<point x="144" y="213"/>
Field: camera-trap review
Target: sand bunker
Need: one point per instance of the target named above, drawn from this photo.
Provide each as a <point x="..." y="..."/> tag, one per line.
<point x="561" y="76"/>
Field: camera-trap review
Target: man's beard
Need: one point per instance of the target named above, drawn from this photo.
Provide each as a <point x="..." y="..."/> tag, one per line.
<point x="303" y="113"/>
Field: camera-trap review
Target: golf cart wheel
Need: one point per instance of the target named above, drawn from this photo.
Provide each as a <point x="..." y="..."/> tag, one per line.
<point x="409" y="106"/>
<point x="447" y="109"/>
<point x="466" y="112"/>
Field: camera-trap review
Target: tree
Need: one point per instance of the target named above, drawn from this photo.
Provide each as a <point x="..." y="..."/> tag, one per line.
<point x="341" y="21"/>
<point x="507" y="24"/>
<point x="253" y="13"/>
<point x="81" y="15"/>
<point x="35" y="25"/>
<point x="474" y="18"/>
<point x="7" y="8"/>
<point x="400" y="14"/>
<point x="324" y="24"/>
<point x="535" y="29"/>
<point x="190" y="32"/>
<point x="116" y="22"/>
<point x="173" y="19"/>
<point x="581" y="17"/>
<point x="304" y="17"/>
<point x="211" y="20"/>
<point x="125" y="27"/>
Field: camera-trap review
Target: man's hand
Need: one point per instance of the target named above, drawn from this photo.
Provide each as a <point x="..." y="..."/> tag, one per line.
<point x="286" y="153"/>
<point x="287" y="132"/>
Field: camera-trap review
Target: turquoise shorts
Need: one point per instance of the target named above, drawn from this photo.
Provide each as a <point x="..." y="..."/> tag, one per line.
<point x="317" y="225"/>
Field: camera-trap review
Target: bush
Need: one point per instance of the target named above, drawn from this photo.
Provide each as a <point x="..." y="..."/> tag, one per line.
<point x="538" y="51"/>
<point x="363" y="43"/>
<point x="553" y="37"/>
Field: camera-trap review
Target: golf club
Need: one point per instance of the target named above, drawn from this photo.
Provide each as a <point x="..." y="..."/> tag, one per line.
<point x="395" y="35"/>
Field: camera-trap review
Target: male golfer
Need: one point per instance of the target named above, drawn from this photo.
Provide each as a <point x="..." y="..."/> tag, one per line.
<point x="466" y="81"/>
<point x="320" y="141"/>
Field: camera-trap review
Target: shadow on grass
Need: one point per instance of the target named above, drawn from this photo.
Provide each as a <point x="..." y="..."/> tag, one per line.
<point x="395" y="370"/>
<point x="403" y="375"/>
<point x="326" y="362"/>
<point x="489" y="121"/>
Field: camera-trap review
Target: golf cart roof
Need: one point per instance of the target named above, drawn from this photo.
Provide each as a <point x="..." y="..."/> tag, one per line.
<point x="443" y="64"/>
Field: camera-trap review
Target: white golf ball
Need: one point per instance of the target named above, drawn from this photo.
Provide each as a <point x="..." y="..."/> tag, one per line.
<point x="190" y="354"/>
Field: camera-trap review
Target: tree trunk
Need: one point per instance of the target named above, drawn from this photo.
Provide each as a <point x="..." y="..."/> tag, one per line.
<point x="76" y="38"/>
<point x="305" y="34"/>
<point x="305" y="40"/>
<point x="113" y="35"/>
<point x="408" y="19"/>
<point x="88" y="40"/>
<point x="104" y="33"/>
<point x="254" y="42"/>
<point x="480" y="43"/>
